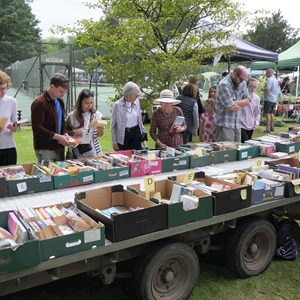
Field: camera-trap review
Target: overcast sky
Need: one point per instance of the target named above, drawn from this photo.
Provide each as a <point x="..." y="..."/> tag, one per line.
<point x="66" y="13"/>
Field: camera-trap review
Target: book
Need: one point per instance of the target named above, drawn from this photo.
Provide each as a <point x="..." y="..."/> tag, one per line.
<point x="179" y="121"/>
<point x="44" y="213"/>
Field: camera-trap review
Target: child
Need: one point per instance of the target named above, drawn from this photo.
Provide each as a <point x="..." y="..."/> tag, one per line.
<point x="207" y="122"/>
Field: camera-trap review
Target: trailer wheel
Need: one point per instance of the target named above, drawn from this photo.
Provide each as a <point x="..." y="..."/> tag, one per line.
<point x="167" y="271"/>
<point x="251" y="248"/>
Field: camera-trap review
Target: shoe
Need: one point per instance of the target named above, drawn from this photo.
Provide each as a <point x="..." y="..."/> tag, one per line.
<point x="272" y="129"/>
<point x="266" y="131"/>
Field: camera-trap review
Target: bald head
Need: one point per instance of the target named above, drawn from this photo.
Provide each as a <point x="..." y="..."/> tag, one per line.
<point x="242" y="72"/>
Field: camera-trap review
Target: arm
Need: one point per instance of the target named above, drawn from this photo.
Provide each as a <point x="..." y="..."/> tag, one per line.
<point x="256" y="113"/>
<point x="195" y="119"/>
<point x="113" y="127"/>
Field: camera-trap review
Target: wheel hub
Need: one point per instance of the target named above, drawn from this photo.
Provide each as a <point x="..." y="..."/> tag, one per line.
<point x="253" y="248"/>
<point x="167" y="275"/>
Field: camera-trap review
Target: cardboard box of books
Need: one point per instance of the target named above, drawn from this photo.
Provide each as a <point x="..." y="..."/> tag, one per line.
<point x="140" y="164"/>
<point x="227" y="196"/>
<point x="105" y="169"/>
<point x="289" y="171"/>
<point x="172" y="159"/>
<point x="125" y="215"/>
<point x="18" y="248"/>
<point x="286" y="146"/>
<point x="185" y="203"/>
<point x="24" y="179"/>
<point x="68" y="173"/>
<point x="62" y="229"/>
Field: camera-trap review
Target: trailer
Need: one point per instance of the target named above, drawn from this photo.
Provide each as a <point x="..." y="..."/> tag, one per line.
<point x="166" y="261"/>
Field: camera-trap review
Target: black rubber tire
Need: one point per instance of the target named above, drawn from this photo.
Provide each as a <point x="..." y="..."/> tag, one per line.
<point x="251" y="248"/>
<point x="167" y="270"/>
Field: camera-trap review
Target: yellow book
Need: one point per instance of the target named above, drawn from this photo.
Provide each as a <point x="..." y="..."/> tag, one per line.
<point x="56" y="210"/>
<point x="41" y="217"/>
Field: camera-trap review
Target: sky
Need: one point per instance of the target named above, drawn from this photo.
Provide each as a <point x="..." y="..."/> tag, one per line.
<point x="67" y="12"/>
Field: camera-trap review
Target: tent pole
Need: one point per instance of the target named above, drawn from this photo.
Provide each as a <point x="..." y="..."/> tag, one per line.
<point x="297" y="83"/>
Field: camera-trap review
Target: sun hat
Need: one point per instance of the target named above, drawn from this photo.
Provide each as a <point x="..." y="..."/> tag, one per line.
<point x="166" y="96"/>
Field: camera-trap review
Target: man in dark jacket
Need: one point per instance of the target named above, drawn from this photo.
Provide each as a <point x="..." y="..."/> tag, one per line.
<point x="48" y="121"/>
<point x="189" y="107"/>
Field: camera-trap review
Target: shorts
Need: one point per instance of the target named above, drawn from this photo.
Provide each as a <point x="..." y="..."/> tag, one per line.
<point x="269" y="107"/>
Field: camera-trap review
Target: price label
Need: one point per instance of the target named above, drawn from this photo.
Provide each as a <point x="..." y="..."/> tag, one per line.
<point x="151" y="156"/>
<point x="258" y="163"/>
<point x="149" y="183"/>
<point x="199" y="152"/>
<point x="188" y="177"/>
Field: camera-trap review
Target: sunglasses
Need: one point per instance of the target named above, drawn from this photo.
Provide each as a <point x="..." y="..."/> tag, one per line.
<point x="88" y="93"/>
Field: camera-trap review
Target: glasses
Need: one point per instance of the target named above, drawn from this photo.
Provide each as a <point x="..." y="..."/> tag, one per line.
<point x="3" y="88"/>
<point x="88" y="93"/>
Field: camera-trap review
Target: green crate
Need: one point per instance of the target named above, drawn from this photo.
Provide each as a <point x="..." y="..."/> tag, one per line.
<point x="82" y="178"/>
<point x="170" y="164"/>
<point x="115" y="173"/>
<point x="24" y="256"/>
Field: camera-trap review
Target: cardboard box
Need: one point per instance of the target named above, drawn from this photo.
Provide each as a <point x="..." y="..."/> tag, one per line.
<point x="176" y="214"/>
<point x="238" y="197"/>
<point x="150" y="218"/>
<point x="20" y="257"/>
<point x="52" y="246"/>
<point x="25" y="186"/>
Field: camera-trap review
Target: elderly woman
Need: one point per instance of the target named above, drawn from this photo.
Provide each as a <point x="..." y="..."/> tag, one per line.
<point x="164" y="130"/>
<point x="126" y="127"/>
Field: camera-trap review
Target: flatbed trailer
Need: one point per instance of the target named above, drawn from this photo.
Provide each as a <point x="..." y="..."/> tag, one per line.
<point x="166" y="265"/>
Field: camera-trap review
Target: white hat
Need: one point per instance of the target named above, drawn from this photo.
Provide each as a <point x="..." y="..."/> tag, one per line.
<point x="166" y="96"/>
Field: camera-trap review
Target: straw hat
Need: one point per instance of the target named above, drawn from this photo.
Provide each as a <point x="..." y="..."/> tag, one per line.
<point x="166" y="96"/>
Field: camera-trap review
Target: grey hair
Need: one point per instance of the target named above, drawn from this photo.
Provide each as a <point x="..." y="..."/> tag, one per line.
<point x="130" y="88"/>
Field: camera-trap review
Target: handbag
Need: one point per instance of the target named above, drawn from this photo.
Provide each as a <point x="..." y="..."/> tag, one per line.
<point x="83" y="148"/>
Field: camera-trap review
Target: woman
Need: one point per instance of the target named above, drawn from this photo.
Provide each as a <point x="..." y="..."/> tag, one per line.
<point x="78" y="125"/>
<point x="212" y="92"/>
<point x="162" y="129"/>
<point x="8" y="123"/>
<point x="250" y="115"/>
<point x="126" y="127"/>
<point x="189" y="108"/>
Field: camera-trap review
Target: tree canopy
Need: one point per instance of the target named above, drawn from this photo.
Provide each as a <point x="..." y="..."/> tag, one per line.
<point x="273" y="33"/>
<point x="19" y="34"/>
<point x="155" y="42"/>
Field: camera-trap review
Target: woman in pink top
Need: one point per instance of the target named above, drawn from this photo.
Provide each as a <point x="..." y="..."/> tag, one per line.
<point x="207" y="122"/>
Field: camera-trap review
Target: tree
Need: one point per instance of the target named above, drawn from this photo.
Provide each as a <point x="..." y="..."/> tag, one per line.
<point x="19" y="34"/>
<point x="272" y="33"/>
<point x="155" y="42"/>
<point x="52" y="44"/>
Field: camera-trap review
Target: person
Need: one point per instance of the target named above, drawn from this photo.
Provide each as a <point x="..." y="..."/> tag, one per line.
<point x="250" y="115"/>
<point x="162" y="128"/>
<point x="284" y="86"/>
<point x="189" y="108"/>
<point x="232" y="96"/>
<point x="193" y="80"/>
<point x="8" y="117"/>
<point x="48" y="121"/>
<point x="207" y="122"/>
<point x="270" y="99"/>
<point x="78" y="125"/>
<point x="212" y="92"/>
<point x="126" y="127"/>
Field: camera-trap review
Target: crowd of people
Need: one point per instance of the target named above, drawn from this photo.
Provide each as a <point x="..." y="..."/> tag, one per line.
<point x="230" y="113"/>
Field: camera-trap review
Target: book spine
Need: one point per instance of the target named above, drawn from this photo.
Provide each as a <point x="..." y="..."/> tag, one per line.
<point x="44" y="213"/>
<point x="50" y="212"/>
<point x="40" y="216"/>
<point x="56" y="210"/>
<point x="24" y="214"/>
<point x="29" y="212"/>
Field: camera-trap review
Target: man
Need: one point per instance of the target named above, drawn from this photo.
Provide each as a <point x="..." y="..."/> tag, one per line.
<point x="232" y="96"/>
<point x="48" y="121"/>
<point x="271" y="90"/>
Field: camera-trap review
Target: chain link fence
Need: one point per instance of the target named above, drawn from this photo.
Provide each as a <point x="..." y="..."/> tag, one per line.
<point x="30" y="69"/>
